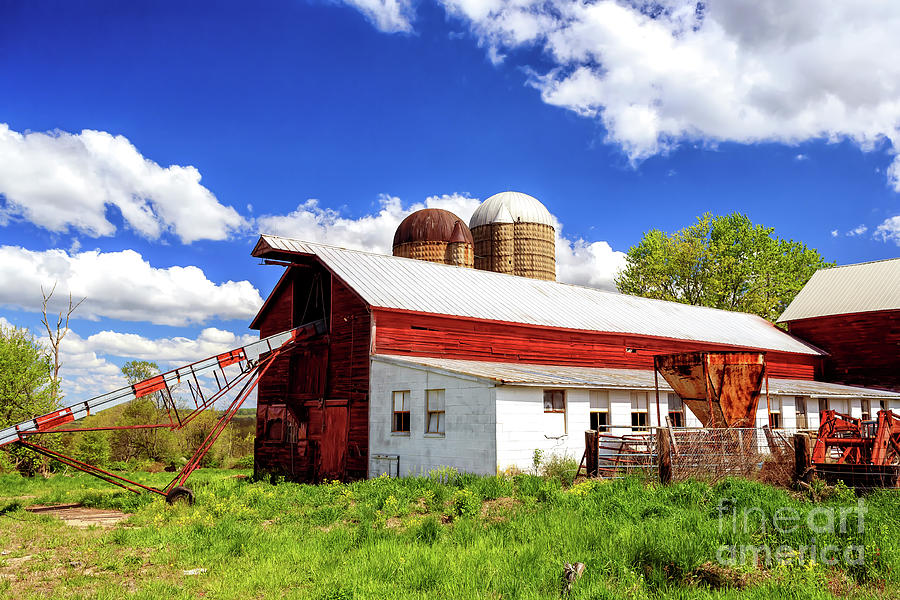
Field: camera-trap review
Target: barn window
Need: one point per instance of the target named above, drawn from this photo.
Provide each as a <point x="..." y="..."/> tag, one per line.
<point x="676" y="410"/>
<point x="802" y="421"/>
<point x="775" y="413"/>
<point x="599" y="410"/>
<point x="866" y="409"/>
<point x="400" y="420"/>
<point x="434" y="411"/>
<point x="639" y="411"/>
<point x="554" y="401"/>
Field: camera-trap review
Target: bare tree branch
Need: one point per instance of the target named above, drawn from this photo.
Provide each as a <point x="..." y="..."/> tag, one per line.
<point x="57" y="332"/>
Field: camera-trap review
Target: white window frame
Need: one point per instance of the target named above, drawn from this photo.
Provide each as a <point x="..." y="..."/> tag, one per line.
<point x="404" y="396"/>
<point x="636" y="409"/>
<point x="599" y="400"/>
<point x="436" y="395"/>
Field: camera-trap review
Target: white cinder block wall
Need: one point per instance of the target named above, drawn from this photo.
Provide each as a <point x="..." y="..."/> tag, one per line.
<point x="468" y="443"/>
<point x="523" y="426"/>
<point x="492" y="428"/>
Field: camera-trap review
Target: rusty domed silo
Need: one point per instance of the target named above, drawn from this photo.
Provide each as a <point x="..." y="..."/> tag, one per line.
<point x="435" y="235"/>
<point x="514" y="234"/>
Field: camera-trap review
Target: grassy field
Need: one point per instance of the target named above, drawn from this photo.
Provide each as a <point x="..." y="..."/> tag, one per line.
<point x="443" y="536"/>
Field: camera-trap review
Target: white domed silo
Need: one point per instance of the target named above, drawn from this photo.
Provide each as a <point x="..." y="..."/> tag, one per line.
<point x="513" y="233"/>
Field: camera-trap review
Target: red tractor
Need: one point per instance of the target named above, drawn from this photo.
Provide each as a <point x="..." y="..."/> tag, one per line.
<point x="860" y="453"/>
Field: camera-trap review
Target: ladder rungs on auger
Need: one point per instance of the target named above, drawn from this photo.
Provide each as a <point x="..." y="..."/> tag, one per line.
<point x="251" y="362"/>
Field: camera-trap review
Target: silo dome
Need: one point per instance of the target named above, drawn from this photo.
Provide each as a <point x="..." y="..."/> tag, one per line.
<point x="511" y="207"/>
<point x="514" y="234"/>
<point x="435" y="235"/>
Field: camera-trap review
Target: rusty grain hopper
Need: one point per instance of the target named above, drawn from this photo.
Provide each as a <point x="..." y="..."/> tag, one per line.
<point x="721" y="388"/>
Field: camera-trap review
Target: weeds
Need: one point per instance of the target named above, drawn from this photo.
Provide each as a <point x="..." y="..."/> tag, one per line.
<point x="433" y="536"/>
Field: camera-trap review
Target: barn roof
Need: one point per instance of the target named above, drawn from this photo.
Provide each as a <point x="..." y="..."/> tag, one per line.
<point x="863" y="287"/>
<point x="625" y="379"/>
<point x="419" y="286"/>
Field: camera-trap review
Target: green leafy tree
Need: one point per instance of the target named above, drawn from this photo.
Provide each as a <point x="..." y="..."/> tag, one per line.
<point x="721" y="261"/>
<point x="93" y="448"/>
<point x="142" y="444"/>
<point x="26" y="388"/>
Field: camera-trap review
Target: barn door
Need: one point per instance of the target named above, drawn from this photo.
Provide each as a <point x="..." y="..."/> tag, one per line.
<point x="333" y="443"/>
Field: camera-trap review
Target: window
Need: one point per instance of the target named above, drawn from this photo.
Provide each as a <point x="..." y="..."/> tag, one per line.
<point x="599" y="410"/>
<point x="434" y="411"/>
<point x="823" y="405"/>
<point x="639" y="411"/>
<point x="676" y="410"/>
<point x="866" y="409"/>
<point x="775" y="413"/>
<point x="802" y="421"/>
<point x="554" y="422"/>
<point x="554" y="401"/>
<point x="400" y="420"/>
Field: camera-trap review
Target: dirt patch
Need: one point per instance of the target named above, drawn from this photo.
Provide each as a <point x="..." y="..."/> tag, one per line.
<point x="719" y="576"/>
<point x="498" y="509"/>
<point x="79" y="516"/>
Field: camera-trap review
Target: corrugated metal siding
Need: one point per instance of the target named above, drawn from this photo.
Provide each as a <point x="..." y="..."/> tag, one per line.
<point x="579" y="377"/>
<point x="413" y="285"/>
<point x="857" y="288"/>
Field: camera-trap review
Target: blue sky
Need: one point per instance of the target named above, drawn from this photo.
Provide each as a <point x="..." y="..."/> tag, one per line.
<point x="146" y="144"/>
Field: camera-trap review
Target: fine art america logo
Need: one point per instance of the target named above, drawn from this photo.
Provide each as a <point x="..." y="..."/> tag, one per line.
<point x="823" y="527"/>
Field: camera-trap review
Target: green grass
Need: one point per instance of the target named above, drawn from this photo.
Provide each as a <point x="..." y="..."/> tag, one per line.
<point x="448" y="536"/>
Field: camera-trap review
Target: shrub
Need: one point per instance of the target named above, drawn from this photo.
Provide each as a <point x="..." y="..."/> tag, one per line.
<point x="561" y="468"/>
<point x="244" y="462"/>
<point x="465" y="503"/>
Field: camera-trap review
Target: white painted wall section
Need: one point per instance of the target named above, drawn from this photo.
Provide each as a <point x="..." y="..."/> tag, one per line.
<point x="468" y="443"/>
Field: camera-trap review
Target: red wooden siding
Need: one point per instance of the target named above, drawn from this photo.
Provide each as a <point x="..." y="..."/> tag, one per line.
<point x="864" y="348"/>
<point x="312" y="416"/>
<point x="418" y="334"/>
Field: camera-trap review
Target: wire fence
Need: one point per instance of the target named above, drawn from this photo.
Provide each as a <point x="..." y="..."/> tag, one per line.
<point x="709" y="454"/>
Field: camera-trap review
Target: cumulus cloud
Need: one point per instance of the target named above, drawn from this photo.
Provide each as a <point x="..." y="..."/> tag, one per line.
<point x="889" y="230"/>
<point x="68" y="181"/>
<point x="578" y="261"/>
<point x="657" y="74"/>
<point x="87" y="370"/>
<point x="858" y="230"/>
<point x="389" y="16"/>
<point x="121" y="285"/>
<point x="370" y="232"/>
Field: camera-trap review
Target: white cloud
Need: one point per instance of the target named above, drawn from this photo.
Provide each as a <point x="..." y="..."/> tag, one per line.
<point x="858" y="230"/>
<point x="578" y="261"/>
<point x="121" y="285"/>
<point x="63" y="181"/>
<point x="889" y="230"/>
<point x="834" y="233"/>
<point x="389" y="16"/>
<point x="801" y="157"/>
<point x="594" y="264"/>
<point x="87" y="371"/>
<point x="659" y="74"/>
<point x="370" y="232"/>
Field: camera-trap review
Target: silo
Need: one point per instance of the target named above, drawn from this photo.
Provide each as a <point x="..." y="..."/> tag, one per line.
<point x="435" y="235"/>
<point x="513" y="233"/>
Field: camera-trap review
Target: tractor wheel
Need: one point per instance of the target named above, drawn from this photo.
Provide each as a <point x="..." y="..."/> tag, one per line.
<point x="180" y="495"/>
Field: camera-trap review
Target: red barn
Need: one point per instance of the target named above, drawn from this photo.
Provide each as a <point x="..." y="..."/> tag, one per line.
<point x="853" y="313"/>
<point x="427" y="364"/>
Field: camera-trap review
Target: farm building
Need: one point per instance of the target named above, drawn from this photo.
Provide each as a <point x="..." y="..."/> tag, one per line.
<point x="852" y="312"/>
<point x="427" y="365"/>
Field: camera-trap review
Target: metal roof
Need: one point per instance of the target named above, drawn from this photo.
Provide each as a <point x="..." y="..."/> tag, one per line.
<point x="509" y="207"/>
<point x="420" y="286"/>
<point x="862" y="287"/>
<point x="626" y="379"/>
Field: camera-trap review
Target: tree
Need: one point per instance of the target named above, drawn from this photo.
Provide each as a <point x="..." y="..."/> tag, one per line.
<point x="156" y="444"/>
<point x="26" y="387"/>
<point x="57" y="332"/>
<point x="724" y="262"/>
